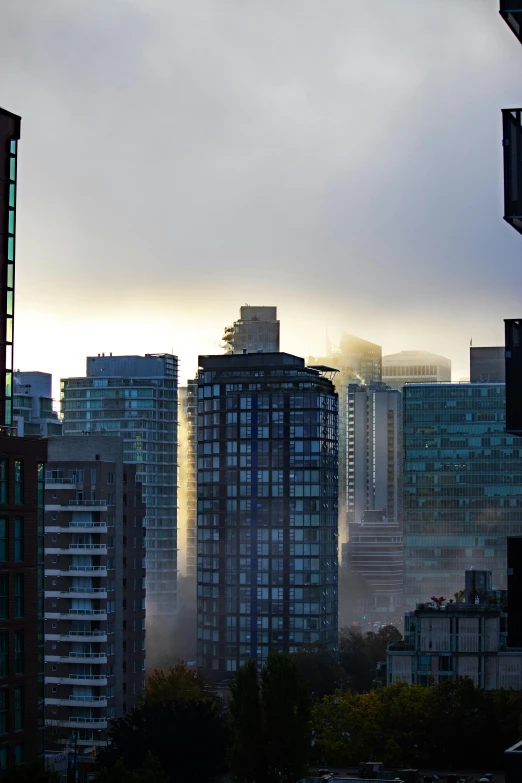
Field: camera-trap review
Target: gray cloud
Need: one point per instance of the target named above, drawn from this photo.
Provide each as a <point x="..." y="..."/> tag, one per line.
<point x="341" y="159"/>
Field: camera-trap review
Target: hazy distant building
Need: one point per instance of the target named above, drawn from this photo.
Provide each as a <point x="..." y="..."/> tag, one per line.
<point x="415" y="367"/>
<point x="487" y="365"/>
<point x="357" y="361"/>
<point x="137" y="397"/>
<point x="267" y="509"/>
<point x="375" y="552"/>
<point x="188" y="469"/>
<point x="33" y="412"/>
<point x="373" y="474"/>
<point x="94" y="588"/>
<point x="462" y="486"/>
<point x="256" y="330"/>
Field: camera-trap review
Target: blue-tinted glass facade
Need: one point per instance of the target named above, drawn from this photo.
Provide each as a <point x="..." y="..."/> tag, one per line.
<point x="462" y="486"/>
<point x="267" y="509"/>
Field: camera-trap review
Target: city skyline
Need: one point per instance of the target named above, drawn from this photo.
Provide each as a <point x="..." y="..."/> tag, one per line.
<point x="306" y="173"/>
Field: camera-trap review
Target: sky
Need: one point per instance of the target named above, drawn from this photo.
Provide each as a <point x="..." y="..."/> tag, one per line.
<point x="340" y="159"/>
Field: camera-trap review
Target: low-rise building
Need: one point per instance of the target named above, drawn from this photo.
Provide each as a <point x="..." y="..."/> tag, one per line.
<point x="468" y="639"/>
<point x="33" y="413"/>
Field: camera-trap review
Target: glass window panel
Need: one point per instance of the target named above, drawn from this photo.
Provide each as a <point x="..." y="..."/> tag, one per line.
<point x="19" y="595"/>
<point x="4" y="654"/>
<point x="9" y="329"/>
<point x="10" y="249"/>
<point x="11" y="222"/>
<point x="3" y="480"/>
<point x="18" y="539"/>
<point x="3" y="712"/>
<point x="18" y="711"/>
<point x="12" y="195"/>
<point x="10" y="275"/>
<point x="19" y="481"/>
<point x="12" y="146"/>
<point x="3" y="539"/>
<point x="12" y="169"/>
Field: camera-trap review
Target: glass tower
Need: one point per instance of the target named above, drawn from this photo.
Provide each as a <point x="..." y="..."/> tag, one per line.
<point x="267" y="509"/>
<point x="462" y="486"/>
<point x="137" y="397"/>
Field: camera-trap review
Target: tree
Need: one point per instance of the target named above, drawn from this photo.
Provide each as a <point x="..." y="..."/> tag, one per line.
<point x="246" y="750"/>
<point x="285" y="705"/>
<point x="319" y="669"/>
<point x="150" y="772"/>
<point x="359" y="654"/>
<point x="271" y="730"/>
<point x="30" y="773"/>
<point x="177" y="708"/>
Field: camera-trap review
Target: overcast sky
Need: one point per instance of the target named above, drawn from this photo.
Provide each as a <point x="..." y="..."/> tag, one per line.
<point x="340" y="159"/>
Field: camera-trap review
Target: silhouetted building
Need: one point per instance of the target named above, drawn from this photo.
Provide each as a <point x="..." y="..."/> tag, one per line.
<point x="137" y="397"/>
<point x="33" y="412"/>
<point x="514" y="585"/>
<point x="94" y="588"/>
<point x="513" y="328"/>
<point x="487" y="365"/>
<point x="462" y="486"/>
<point x="256" y="330"/>
<point x="267" y="509"/>
<point x="415" y="367"/>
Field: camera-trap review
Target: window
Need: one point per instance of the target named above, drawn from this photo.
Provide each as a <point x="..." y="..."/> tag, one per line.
<point x="19" y="652"/>
<point x="18" y="709"/>
<point x="19" y="595"/>
<point x="3" y="758"/>
<point x="19" y="481"/>
<point x="4" y="654"/>
<point x="18" y="539"/>
<point x="3" y="539"/>
<point x="4" y="589"/>
<point x="3" y="480"/>
<point x="3" y="712"/>
<point x="110" y="478"/>
<point x="19" y="755"/>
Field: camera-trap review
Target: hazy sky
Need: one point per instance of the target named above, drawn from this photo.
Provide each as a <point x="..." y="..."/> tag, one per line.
<point x="340" y="159"/>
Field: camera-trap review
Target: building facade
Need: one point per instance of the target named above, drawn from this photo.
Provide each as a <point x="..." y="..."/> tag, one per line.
<point x="94" y="588"/>
<point x="267" y="509"/>
<point x="373" y="470"/>
<point x="33" y="412"/>
<point x="375" y="552"/>
<point x="21" y="511"/>
<point x="256" y="330"/>
<point x="188" y="470"/>
<point x="468" y="639"/>
<point x="462" y="486"/>
<point x="487" y="365"/>
<point x="405" y="367"/>
<point x="137" y="397"/>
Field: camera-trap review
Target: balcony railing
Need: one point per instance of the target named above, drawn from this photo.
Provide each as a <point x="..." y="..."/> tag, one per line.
<point x="87" y="524"/>
<point x="83" y="590"/>
<point x="85" y="546"/>
<point x="74" y="654"/>
<point x="84" y="611"/>
<point x="87" y="698"/>
<point x="87" y="720"/>
<point x="74" y="634"/>
<point x="86" y="568"/>
<point x="87" y="676"/>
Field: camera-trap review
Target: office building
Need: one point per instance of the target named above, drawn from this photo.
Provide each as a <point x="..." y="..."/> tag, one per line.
<point x="33" y="412"/>
<point x="373" y="473"/>
<point x="405" y="367"/>
<point x="462" y="486"/>
<point x="487" y="365"/>
<point x="21" y="511"/>
<point x="188" y="468"/>
<point x="94" y="588"/>
<point x="137" y="397"/>
<point x="256" y="330"/>
<point x="267" y="509"/>
<point x="445" y="640"/>
<point x="375" y="552"/>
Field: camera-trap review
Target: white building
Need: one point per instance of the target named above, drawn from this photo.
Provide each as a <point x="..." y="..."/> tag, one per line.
<point x="415" y="367"/>
<point x="457" y="640"/>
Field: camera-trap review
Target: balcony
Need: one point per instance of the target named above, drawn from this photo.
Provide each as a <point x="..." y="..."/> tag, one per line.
<point x="95" y="678"/>
<point x="63" y="482"/>
<point x="78" y="701"/>
<point x="73" y="614"/>
<point x="78" y="636"/>
<point x="84" y="569"/>
<point x="78" y="657"/>
<point x="81" y="549"/>
<point x="79" y="722"/>
<point x="86" y="592"/>
<point x="511" y="13"/>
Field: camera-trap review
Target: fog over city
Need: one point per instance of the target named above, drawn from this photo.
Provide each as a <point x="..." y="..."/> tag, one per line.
<point x="339" y="159"/>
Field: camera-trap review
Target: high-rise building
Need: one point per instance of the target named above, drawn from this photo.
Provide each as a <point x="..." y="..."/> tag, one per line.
<point x="357" y="361"/>
<point x="33" y="412"/>
<point x="462" y="486"/>
<point x="94" y="588"/>
<point x="415" y="367"/>
<point x="21" y="511"/>
<point x="374" y="551"/>
<point x="267" y="509"/>
<point x="256" y="330"/>
<point x="137" y="397"/>
<point x="487" y="365"/>
<point x="188" y="469"/>
<point x="373" y="473"/>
